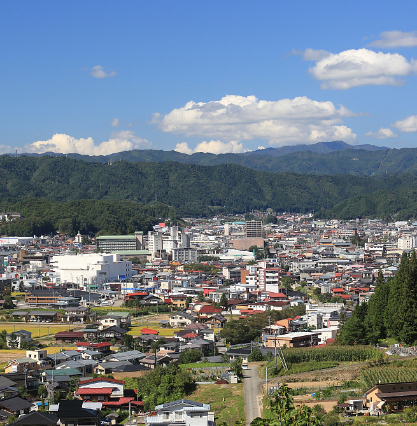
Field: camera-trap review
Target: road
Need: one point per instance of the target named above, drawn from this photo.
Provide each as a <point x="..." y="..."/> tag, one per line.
<point x="253" y="393"/>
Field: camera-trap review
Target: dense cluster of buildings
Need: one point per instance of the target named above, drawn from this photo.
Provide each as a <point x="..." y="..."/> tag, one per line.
<point x="201" y="274"/>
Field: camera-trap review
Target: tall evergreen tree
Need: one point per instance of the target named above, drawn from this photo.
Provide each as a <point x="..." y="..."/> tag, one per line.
<point x="376" y="310"/>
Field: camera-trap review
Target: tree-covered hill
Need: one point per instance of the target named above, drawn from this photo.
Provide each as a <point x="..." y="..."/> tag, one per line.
<point x="349" y="160"/>
<point x="382" y="204"/>
<point x="190" y="189"/>
<point x="96" y="217"/>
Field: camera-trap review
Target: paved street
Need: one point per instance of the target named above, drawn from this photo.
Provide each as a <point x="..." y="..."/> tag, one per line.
<point x="253" y="395"/>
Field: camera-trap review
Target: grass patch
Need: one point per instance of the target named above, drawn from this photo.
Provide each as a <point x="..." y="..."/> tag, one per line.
<point x="204" y="365"/>
<point x="229" y="410"/>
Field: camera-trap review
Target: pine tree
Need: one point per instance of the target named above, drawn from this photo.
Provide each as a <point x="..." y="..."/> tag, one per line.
<point x="377" y="308"/>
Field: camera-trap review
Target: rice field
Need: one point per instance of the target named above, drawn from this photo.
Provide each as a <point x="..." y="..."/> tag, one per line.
<point x="42" y="331"/>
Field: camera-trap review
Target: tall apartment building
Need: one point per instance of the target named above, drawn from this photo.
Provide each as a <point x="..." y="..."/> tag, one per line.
<point x="407" y="242"/>
<point x="121" y="243"/>
<point x="254" y="229"/>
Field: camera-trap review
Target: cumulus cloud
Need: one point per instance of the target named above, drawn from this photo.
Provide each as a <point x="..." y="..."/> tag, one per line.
<point x="213" y="147"/>
<point x="390" y="39"/>
<point x="119" y="141"/>
<point x="115" y="122"/>
<point x="98" y="72"/>
<point x="382" y="133"/>
<point x="237" y="118"/>
<point x="408" y="125"/>
<point x="361" y="67"/>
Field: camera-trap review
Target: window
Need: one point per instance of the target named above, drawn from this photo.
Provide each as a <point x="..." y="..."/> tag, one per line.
<point x="100" y="398"/>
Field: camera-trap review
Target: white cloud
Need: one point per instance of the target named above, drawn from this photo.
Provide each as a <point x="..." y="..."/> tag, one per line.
<point x="237" y="118"/>
<point x="391" y="39"/>
<point x="382" y="133"/>
<point x="98" y="72"/>
<point x="65" y="144"/>
<point x="213" y="147"/>
<point x="408" y="125"/>
<point x="311" y="54"/>
<point x="115" y="122"/>
<point x="361" y="67"/>
<point x="6" y="149"/>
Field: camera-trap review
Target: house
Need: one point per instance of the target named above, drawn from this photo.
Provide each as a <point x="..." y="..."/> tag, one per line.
<point x="178" y="301"/>
<point x="159" y="359"/>
<point x="14" y="340"/>
<point x="69" y="336"/>
<point x="68" y="372"/>
<point x="132" y="356"/>
<point x="15" y="405"/>
<point x="243" y="353"/>
<point x="180" y="319"/>
<point x="21" y="365"/>
<point x="36" y="418"/>
<point x="44" y="316"/>
<point x="391" y="396"/>
<point x="71" y="413"/>
<point x="112" y="332"/>
<point x="125" y="318"/>
<point x="298" y="339"/>
<point x="76" y="314"/>
<point x="109" y="321"/>
<point x="102" y="347"/>
<point x="184" y="412"/>
<point x="100" y="389"/>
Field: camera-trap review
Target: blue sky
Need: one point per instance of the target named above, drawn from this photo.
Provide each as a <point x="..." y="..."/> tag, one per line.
<point x="99" y="77"/>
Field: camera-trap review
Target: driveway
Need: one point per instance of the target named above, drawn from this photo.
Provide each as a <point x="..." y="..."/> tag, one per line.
<point x="253" y="393"/>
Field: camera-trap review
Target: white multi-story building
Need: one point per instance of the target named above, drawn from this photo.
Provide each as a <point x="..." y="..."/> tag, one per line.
<point x="88" y="269"/>
<point x="407" y="242"/>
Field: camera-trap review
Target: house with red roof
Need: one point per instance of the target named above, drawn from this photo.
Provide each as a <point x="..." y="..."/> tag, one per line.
<point x="100" y="389"/>
<point x="208" y="311"/>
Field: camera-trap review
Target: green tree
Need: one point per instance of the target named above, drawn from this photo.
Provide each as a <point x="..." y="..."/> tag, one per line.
<point x="236" y="367"/>
<point x="256" y="355"/>
<point x="355" y="330"/>
<point x="128" y="341"/>
<point x="188" y="301"/>
<point x="223" y="301"/>
<point x="200" y="296"/>
<point x="190" y="356"/>
<point x="286" y="282"/>
<point x="377" y="308"/>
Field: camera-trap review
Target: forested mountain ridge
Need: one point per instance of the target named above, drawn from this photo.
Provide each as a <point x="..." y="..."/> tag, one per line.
<point x="190" y="189"/>
<point x="346" y="159"/>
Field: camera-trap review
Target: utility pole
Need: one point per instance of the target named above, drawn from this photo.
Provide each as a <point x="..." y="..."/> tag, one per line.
<point x="275" y="345"/>
<point x="267" y="394"/>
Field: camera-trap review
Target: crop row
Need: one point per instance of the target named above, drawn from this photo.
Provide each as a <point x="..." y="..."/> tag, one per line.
<point x="331" y="353"/>
<point x="388" y="374"/>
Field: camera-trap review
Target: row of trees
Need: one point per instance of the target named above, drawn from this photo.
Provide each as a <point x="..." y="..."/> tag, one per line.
<point x="391" y="311"/>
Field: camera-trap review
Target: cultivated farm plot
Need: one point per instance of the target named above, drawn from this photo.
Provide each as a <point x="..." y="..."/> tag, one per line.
<point x="169" y="332"/>
<point x="36" y="331"/>
<point x="388" y="374"/>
